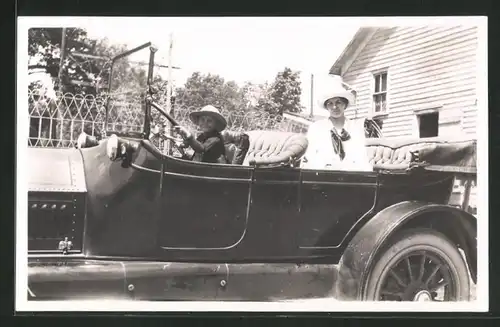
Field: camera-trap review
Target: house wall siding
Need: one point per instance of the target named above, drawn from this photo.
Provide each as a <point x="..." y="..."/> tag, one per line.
<point x="434" y="66"/>
<point x="427" y="67"/>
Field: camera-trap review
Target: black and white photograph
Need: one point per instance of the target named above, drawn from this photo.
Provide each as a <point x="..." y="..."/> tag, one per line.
<point x="252" y="164"/>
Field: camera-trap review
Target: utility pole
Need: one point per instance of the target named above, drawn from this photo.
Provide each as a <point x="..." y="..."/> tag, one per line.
<point x="169" y="78"/>
<point x="312" y="96"/>
<point x="59" y="80"/>
<point x="61" y="61"/>
<point x="169" y="89"/>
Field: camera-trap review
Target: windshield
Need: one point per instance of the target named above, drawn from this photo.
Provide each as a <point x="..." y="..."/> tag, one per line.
<point x="128" y="85"/>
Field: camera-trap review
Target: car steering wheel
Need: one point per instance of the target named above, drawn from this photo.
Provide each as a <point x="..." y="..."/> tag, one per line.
<point x="175" y="142"/>
<point x="178" y="143"/>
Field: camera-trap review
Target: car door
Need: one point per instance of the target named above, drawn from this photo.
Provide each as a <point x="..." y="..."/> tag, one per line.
<point x="274" y="214"/>
<point x="203" y="206"/>
<point x="331" y="203"/>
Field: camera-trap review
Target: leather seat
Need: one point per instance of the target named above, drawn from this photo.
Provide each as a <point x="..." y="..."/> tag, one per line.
<point x="264" y="147"/>
<point x="236" y="144"/>
<point x="400" y="153"/>
<point x="387" y="155"/>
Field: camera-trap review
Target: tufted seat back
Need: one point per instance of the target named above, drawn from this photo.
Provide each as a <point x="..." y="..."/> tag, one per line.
<point x="272" y="147"/>
<point x="400" y="153"/>
<point x="388" y="155"/>
<point x="264" y="147"/>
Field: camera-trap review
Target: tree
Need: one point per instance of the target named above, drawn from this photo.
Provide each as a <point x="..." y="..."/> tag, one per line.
<point x="44" y="50"/>
<point x="283" y="95"/>
<point x="252" y="93"/>
<point x="248" y="107"/>
<point x="44" y="44"/>
<point x="83" y="75"/>
<point x="201" y="90"/>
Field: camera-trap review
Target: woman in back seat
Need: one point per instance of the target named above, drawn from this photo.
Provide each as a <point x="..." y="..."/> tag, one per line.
<point x="336" y="142"/>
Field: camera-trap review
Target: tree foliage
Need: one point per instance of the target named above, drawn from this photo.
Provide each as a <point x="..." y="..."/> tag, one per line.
<point x="83" y="75"/>
<point x="261" y="105"/>
<point x="283" y="95"/>
<point x="201" y="90"/>
<point x="44" y="51"/>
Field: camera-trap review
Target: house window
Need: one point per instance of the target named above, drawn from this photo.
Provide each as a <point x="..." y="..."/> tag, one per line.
<point x="428" y="124"/>
<point x="380" y="93"/>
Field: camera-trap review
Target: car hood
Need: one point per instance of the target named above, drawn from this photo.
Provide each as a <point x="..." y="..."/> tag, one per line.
<point x="55" y="170"/>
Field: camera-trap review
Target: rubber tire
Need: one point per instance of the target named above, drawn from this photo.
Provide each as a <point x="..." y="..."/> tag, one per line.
<point x="415" y="240"/>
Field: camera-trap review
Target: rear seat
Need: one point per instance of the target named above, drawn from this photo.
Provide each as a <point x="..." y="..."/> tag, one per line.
<point x="390" y="155"/>
<point x="442" y="154"/>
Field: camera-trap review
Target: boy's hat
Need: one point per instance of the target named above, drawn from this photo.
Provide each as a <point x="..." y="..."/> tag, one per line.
<point x="220" y="121"/>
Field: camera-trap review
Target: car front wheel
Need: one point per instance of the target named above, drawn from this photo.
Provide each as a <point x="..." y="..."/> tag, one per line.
<point x="418" y="265"/>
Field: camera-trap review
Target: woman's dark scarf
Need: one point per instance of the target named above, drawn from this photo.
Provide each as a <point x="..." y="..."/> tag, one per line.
<point x="337" y="140"/>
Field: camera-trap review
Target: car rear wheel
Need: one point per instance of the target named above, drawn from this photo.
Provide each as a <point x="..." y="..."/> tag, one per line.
<point x="419" y="265"/>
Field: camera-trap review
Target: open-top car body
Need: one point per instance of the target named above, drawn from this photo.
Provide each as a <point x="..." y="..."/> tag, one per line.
<point x="119" y="218"/>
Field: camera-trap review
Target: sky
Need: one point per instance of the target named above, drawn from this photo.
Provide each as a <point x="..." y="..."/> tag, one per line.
<point x="237" y="48"/>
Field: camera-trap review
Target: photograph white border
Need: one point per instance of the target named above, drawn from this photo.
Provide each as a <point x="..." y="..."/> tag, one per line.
<point x="21" y="280"/>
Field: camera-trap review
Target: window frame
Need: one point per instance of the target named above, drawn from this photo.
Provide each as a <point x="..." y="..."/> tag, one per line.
<point x="373" y="94"/>
<point x="419" y="121"/>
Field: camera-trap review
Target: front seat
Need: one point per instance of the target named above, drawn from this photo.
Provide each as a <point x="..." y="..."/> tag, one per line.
<point x="275" y="147"/>
<point x="264" y="147"/>
<point x="237" y="145"/>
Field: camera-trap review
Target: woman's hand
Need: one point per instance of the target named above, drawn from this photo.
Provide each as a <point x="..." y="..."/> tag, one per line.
<point x="183" y="132"/>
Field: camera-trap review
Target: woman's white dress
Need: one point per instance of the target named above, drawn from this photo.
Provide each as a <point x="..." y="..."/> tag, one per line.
<point x="320" y="152"/>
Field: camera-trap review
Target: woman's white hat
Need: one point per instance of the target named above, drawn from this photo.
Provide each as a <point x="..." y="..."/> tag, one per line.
<point x="220" y="121"/>
<point x="338" y="91"/>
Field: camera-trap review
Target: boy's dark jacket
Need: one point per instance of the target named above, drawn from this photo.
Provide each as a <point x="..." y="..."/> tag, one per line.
<point x="213" y="147"/>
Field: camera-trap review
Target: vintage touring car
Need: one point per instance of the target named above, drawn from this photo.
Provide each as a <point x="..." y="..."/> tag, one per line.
<point x="120" y="219"/>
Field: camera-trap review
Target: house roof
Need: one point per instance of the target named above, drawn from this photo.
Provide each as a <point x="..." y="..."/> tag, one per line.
<point x="352" y="50"/>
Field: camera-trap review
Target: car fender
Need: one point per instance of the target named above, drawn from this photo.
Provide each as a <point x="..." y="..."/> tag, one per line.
<point x="359" y="255"/>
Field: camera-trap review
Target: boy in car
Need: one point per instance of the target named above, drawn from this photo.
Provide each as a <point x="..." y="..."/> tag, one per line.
<point x="208" y="145"/>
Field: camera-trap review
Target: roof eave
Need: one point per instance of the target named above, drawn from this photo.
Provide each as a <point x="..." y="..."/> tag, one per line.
<point x="357" y="41"/>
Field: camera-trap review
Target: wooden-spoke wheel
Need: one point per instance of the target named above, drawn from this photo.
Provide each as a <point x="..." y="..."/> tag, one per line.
<point x="419" y="265"/>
